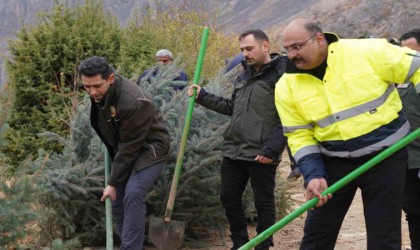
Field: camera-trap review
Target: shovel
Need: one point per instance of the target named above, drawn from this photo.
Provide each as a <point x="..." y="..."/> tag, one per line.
<point x="167" y="234"/>
<point x="108" y="207"/>
<point x="333" y="188"/>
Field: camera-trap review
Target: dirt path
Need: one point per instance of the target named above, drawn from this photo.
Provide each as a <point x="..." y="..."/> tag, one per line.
<point x="352" y="235"/>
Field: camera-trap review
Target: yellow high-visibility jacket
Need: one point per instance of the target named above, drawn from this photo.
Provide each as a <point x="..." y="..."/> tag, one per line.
<point x="354" y="110"/>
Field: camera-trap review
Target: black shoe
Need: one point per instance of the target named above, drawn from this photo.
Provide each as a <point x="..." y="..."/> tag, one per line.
<point x="264" y="245"/>
<point x="238" y="243"/>
<point x="294" y="174"/>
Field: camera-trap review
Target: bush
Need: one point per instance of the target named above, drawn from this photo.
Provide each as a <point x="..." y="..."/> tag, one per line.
<point x="16" y="209"/>
<point x="42" y="70"/>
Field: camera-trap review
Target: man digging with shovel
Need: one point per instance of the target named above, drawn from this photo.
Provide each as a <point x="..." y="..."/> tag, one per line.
<point x="124" y="117"/>
<point x="339" y="109"/>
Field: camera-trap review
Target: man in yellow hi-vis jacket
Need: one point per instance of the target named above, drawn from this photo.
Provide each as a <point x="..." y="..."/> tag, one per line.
<point x="339" y="108"/>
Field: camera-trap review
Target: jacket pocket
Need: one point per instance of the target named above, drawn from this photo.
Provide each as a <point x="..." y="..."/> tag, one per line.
<point x="231" y="132"/>
<point x="252" y="131"/>
<point x="312" y="104"/>
<point x="356" y="81"/>
<point x="153" y="150"/>
<point x="239" y="91"/>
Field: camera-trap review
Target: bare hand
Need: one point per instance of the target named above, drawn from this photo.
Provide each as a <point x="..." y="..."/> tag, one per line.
<point x="109" y="191"/>
<point x="191" y="88"/>
<point x="314" y="189"/>
<point x="262" y="159"/>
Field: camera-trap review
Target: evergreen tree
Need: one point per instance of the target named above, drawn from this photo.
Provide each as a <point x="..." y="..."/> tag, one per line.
<point x="197" y="201"/>
<point x="69" y="165"/>
<point x="39" y="56"/>
<point x="6" y="99"/>
<point x="73" y="181"/>
<point x="16" y="209"/>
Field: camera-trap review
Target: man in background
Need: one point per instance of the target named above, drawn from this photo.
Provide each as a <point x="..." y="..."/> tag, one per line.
<point x="164" y="58"/>
<point x="411" y="105"/>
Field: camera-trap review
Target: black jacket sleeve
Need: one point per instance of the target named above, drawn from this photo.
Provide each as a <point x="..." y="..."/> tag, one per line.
<point x="216" y="103"/>
<point x="276" y="143"/>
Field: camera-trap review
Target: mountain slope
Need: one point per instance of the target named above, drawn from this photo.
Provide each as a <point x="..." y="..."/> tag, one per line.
<point x="348" y="18"/>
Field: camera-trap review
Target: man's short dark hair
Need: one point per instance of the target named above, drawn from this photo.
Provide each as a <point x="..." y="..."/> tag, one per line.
<point x="258" y="35"/>
<point x="411" y="33"/>
<point x="313" y="28"/>
<point x="95" y="65"/>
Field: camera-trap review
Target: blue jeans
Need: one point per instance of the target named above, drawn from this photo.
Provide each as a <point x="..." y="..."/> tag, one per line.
<point x="129" y="209"/>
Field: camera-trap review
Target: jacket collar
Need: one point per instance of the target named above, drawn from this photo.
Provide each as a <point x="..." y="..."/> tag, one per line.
<point x="275" y="58"/>
<point x="331" y="37"/>
<point x="114" y="92"/>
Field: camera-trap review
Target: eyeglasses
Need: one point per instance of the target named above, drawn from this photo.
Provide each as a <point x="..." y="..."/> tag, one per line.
<point x="297" y="46"/>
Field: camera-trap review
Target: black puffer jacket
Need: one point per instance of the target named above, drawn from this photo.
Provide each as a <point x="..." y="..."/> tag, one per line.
<point x="411" y="103"/>
<point x="255" y="127"/>
<point x="133" y="132"/>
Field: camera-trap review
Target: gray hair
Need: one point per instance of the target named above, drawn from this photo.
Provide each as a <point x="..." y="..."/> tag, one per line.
<point x="165" y="52"/>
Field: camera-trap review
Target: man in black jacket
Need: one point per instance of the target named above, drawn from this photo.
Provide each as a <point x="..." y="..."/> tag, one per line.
<point x="125" y="119"/>
<point x="411" y="102"/>
<point x="254" y="138"/>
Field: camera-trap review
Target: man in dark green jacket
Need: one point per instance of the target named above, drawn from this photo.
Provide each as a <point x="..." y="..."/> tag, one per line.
<point x="411" y="105"/>
<point x="254" y="138"/>
<point x="125" y="119"/>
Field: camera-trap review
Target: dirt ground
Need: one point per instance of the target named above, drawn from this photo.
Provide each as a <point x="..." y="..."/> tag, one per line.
<point x="352" y="235"/>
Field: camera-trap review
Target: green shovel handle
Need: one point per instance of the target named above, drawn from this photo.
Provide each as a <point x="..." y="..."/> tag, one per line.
<point x="108" y="207"/>
<point x="191" y="102"/>
<point x="333" y="188"/>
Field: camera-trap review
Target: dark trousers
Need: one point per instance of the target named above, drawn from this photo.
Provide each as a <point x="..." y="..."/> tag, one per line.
<point x="235" y="175"/>
<point x="129" y="209"/>
<point x="411" y="206"/>
<point x="292" y="160"/>
<point x="382" y="190"/>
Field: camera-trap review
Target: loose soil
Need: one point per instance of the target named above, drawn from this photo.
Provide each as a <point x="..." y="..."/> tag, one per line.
<point x="351" y="237"/>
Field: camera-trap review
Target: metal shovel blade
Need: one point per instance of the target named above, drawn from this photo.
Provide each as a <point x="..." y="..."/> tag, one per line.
<point x="166" y="236"/>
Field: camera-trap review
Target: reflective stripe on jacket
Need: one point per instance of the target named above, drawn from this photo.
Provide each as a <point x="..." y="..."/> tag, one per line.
<point x="355" y="110"/>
